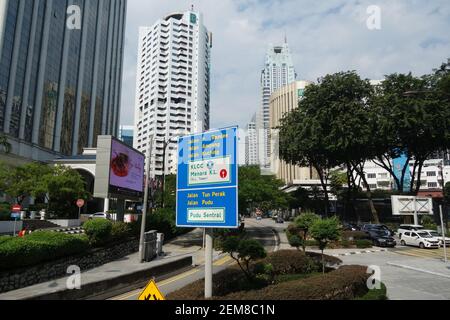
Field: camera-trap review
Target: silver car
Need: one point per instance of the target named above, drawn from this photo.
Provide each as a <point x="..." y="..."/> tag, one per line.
<point x="100" y="215"/>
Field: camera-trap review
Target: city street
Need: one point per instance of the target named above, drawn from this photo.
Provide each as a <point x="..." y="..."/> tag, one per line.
<point x="255" y="230"/>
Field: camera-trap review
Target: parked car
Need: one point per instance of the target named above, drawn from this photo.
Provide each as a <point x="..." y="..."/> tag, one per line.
<point x="350" y="227"/>
<point x="381" y="238"/>
<point x="419" y="239"/>
<point x="438" y="237"/>
<point x="377" y="227"/>
<point x="100" y="215"/>
<point x="280" y="220"/>
<point x="408" y="227"/>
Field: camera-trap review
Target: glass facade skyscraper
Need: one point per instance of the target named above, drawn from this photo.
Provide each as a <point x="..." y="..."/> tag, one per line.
<point x="60" y="86"/>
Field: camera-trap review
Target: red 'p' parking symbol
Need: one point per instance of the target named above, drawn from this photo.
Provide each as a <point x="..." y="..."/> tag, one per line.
<point x="223" y="174"/>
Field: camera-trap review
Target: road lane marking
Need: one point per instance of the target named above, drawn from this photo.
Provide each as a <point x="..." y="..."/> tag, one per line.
<point x="222" y="261"/>
<point x="418" y="270"/>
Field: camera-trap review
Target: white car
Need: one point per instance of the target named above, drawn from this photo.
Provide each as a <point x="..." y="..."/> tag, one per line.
<point x="419" y="239"/>
<point x="438" y="237"/>
<point x="408" y="227"/>
<point x="100" y="215"/>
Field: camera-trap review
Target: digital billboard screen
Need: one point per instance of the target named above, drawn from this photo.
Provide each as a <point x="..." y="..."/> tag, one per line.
<point x="126" y="169"/>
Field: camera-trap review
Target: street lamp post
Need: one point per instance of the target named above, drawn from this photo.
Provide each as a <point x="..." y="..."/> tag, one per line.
<point x="163" y="183"/>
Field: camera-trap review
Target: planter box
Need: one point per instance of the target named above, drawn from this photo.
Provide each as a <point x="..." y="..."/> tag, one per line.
<point x="66" y="223"/>
<point x="7" y="227"/>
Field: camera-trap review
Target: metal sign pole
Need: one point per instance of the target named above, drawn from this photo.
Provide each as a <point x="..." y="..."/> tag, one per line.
<point x="209" y="264"/>
<point x="443" y="234"/>
<point x="144" y="207"/>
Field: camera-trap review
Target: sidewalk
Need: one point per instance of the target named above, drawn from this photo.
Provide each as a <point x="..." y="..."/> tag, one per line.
<point x="188" y="245"/>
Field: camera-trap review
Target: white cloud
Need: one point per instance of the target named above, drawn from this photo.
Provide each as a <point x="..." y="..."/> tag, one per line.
<point x="325" y="37"/>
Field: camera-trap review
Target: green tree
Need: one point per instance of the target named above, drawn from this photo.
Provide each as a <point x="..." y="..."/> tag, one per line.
<point x="244" y="251"/>
<point x="338" y="179"/>
<point x="324" y="231"/>
<point x="412" y="119"/>
<point x="62" y="186"/>
<point x="447" y="193"/>
<point x="5" y="144"/>
<point x="304" y="223"/>
<point x="332" y="128"/>
<point x="21" y="182"/>
<point x="260" y="191"/>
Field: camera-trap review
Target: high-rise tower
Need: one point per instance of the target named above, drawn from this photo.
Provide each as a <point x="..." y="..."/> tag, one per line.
<point x="60" y="80"/>
<point x="173" y="85"/>
<point x="278" y="71"/>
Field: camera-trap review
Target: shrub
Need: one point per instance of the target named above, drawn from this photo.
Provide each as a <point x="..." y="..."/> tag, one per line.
<point x="329" y="260"/>
<point x="98" y="231"/>
<point x="375" y="294"/>
<point x="346" y="244"/>
<point x="290" y="262"/>
<point x="225" y="282"/>
<point x="429" y="223"/>
<point x="39" y="247"/>
<point x="354" y="235"/>
<point x="346" y="283"/>
<point x="120" y="231"/>
<point x="363" y="244"/>
<point x="295" y="242"/>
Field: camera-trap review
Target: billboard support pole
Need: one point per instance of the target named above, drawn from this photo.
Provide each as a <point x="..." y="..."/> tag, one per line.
<point x="144" y="207"/>
<point x="209" y="263"/>
<point x="443" y="234"/>
<point x="416" y="216"/>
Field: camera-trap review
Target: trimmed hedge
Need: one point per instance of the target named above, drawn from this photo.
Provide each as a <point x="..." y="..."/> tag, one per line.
<point x="233" y="280"/>
<point x="98" y="231"/>
<point x="225" y="282"/>
<point x="354" y="235"/>
<point x="39" y="247"/>
<point x="364" y="244"/>
<point x="290" y="262"/>
<point x="329" y="260"/>
<point x="346" y="283"/>
<point x="120" y="231"/>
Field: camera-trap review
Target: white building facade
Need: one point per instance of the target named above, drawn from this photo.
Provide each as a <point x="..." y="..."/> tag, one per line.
<point x="172" y="86"/>
<point x="251" y="143"/>
<point x="278" y="71"/>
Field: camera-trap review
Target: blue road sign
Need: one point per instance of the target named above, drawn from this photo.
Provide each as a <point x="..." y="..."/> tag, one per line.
<point x="207" y="180"/>
<point x="15" y="215"/>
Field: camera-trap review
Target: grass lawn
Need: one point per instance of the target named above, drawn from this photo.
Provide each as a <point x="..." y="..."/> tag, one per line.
<point x="375" y="294"/>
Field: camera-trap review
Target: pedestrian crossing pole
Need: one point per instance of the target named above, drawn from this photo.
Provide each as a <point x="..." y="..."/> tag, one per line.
<point x="443" y="234"/>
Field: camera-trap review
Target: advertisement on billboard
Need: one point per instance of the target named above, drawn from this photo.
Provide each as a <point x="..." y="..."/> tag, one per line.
<point x="119" y="170"/>
<point x="127" y="167"/>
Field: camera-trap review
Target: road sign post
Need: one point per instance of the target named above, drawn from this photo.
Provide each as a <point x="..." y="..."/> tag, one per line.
<point x="80" y="204"/>
<point x="207" y="187"/>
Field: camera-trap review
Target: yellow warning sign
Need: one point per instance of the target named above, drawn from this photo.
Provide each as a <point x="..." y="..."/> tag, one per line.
<point x="151" y="292"/>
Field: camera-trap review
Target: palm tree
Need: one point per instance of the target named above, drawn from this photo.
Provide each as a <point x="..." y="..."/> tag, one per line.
<point x="4" y="143"/>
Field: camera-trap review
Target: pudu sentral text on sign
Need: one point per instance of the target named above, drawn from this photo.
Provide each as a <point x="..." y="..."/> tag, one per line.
<point x="207" y="180"/>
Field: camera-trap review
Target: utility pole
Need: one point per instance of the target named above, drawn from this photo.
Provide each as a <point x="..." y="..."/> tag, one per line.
<point x="163" y="186"/>
<point x="145" y="205"/>
<point x="443" y="234"/>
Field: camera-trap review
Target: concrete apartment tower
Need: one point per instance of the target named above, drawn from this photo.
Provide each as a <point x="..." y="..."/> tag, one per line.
<point x="60" y="75"/>
<point x="173" y="85"/>
<point x="251" y="143"/>
<point x="278" y="71"/>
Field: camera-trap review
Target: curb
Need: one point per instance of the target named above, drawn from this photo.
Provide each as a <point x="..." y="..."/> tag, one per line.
<point x="95" y="290"/>
<point x="277" y="240"/>
<point x="358" y="253"/>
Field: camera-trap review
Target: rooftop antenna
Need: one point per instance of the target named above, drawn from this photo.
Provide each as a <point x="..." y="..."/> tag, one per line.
<point x="285" y="38"/>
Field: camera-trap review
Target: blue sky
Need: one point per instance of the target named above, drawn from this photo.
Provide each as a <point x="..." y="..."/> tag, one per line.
<point x="324" y="36"/>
